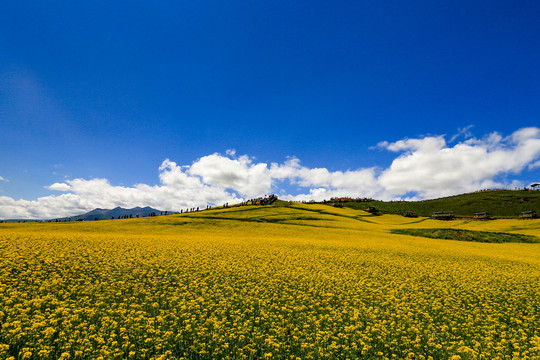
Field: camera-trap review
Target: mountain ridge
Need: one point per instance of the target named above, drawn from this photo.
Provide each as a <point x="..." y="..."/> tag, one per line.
<point x="116" y="213"/>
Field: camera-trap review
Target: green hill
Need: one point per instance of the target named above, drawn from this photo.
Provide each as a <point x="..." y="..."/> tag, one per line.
<point x="497" y="203"/>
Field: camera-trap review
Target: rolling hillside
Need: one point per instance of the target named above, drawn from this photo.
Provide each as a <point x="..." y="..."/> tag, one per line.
<point x="498" y="203"/>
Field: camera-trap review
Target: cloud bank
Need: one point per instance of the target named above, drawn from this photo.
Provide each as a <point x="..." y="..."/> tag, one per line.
<point x="425" y="167"/>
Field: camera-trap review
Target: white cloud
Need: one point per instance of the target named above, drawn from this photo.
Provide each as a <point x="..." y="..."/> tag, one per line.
<point x="426" y="144"/>
<point x="3" y="179"/>
<point x="424" y="168"/>
<point x="323" y="183"/>
<point x="240" y="174"/>
<point x="59" y="187"/>
<point x="430" y="168"/>
<point x="85" y="195"/>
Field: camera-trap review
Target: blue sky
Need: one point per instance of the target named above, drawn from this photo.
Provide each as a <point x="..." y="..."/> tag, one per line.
<point x="112" y="90"/>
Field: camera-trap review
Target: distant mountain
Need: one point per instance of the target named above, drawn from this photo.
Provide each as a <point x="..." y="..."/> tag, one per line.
<point x="18" y="220"/>
<point x="105" y="214"/>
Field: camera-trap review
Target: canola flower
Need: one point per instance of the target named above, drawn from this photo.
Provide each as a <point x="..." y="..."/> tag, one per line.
<point x="298" y="282"/>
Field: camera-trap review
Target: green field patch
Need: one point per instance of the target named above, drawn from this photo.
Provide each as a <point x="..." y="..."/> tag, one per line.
<point x="468" y="235"/>
<point x="497" y="203"/>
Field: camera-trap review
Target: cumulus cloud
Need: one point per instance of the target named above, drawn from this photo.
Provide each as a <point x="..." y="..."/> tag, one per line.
<point x="59" y="187"/>
<point x="3" y="179"/>
<point x="424" y="167"/>
<point x="240" y="174"/>
<point x="323" y="183"/>
<point x="431" y="168"/>
<point x="176" y="192"/>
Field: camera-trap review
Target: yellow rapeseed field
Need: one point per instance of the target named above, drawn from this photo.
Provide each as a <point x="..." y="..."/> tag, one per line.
<point x="290" y="282"/>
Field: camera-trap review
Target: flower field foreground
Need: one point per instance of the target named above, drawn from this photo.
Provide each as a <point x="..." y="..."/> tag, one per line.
<point x="289" y="282"/>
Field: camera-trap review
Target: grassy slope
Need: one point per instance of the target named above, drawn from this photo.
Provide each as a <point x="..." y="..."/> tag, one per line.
<point x="498" y="203"/>
<point x="328" y="217"/>
<point x="469" y="235"/>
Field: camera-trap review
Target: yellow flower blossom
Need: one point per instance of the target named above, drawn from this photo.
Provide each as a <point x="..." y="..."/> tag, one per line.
<point x="312" y="282"/>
